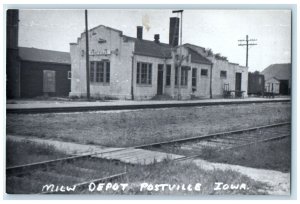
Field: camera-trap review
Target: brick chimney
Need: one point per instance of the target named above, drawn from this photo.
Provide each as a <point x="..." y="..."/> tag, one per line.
<point x="174" y="31"/>
<point x="139" y="32"/>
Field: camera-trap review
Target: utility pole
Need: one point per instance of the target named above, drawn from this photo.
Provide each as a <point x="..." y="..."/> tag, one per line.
<point x="87" y="56"/>
<point x="180" y="54"/>
<point x="247" y="44"/>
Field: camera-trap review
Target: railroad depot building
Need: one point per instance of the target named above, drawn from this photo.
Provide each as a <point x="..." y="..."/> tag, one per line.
<point x="124" y="67"/>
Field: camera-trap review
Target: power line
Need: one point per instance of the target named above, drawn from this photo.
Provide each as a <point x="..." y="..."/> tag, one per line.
<point x="247" y="44"/>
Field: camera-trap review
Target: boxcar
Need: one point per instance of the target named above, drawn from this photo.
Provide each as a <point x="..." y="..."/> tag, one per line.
<point x="256" y="83"/>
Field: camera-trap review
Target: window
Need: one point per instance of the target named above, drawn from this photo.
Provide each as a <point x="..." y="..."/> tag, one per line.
<point x="149" y="73"/>
<point x="194" y="77"/>
<point x="184" y="76"/>
<point x="69" y="74"/>
<point x="107" y="74"/>
<point x="100" y="71"/>
<point x="144" y="73"/>
<point x="138" y="68"/>
<point x="176" y="75"/>
<point x="223" y="74"/>
<point x="204" y="72"/>
<point x="168" y="75"/>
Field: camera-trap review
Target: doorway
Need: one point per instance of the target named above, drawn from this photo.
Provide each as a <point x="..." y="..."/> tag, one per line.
<point x="48" y="82"/>
<point x="238" y="83"/>
<point x="284" y="87"/>
<point x="160" y="74"/>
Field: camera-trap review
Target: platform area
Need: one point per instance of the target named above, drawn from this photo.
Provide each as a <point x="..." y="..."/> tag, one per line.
<point x="34" y="106"/>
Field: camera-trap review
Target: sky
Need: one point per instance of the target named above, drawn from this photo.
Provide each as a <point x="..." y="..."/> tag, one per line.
<point x="218" y="30"/>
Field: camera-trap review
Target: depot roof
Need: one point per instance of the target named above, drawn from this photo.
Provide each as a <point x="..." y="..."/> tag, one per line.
<point x="40" y="55"/>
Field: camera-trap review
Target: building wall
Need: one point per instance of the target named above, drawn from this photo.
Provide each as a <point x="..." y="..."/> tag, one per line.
<point x="120" y="64"/>
<point x="169" y="90"/>
<point x="147" y="91"/>
<point x="218" y="83"/>
<point x="231" y="69"/>
<point x="203" y="82"/>
<point x="185" y="91"/>
<point x="244" y="72"/>
<point x="32" y="78"/>
<point x="272" y="85"/>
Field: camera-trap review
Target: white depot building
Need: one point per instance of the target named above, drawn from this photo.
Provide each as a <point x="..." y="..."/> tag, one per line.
<point x="124" y="67"/>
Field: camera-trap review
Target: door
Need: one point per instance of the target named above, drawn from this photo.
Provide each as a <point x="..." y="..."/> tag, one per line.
<point x="49" y="81"/>
<point x="238" y="83"/>
<point x="284" y="87"/>
<point x="194" y="79"/>
<point x="160" y="74"/>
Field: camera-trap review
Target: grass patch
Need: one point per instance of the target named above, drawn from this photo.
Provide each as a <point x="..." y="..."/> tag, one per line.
<point x="274" y="155"/>
<point x="66" y="174"/>
<point x="63" y="173"/>
<point x="130" y="128"/>
<point x="26" y="152"/>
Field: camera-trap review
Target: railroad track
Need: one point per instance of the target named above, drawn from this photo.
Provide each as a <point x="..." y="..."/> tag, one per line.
<point x="194" y="146"/>
<point x="71" y="171"/>
<point x="236" y="140"/>
<point x="203" y="137"/>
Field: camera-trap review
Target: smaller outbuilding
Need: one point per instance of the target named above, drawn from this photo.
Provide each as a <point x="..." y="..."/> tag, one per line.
<point x="278" y="78"/>
<point x="32" y="72"/>
<point x="42" y="73"/>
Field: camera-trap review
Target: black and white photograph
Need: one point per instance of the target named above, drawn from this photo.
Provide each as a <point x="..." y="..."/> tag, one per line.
<point x="154" y="102"/>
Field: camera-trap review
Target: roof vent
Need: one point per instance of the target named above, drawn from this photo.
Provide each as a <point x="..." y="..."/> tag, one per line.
<point x="156" y="38"/>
